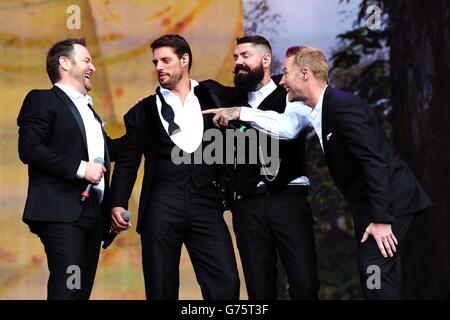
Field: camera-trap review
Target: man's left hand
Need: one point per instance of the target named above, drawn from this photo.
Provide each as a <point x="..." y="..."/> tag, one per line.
<point x="385" y="239"/>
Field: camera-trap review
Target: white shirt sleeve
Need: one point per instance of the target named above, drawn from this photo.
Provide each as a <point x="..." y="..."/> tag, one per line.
<point x="283" y="126"/>
<point x="81" y="172"/>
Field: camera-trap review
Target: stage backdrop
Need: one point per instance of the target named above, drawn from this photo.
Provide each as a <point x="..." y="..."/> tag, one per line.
<point x="118" y="35"/>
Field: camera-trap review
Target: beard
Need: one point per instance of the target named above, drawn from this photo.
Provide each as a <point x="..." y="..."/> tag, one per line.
<point x="171" y="81"/>
<point x="250" y="80"/>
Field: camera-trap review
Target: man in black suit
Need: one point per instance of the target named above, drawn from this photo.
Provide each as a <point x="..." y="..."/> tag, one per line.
<point x="60" y="135"/>
<point x="382" y="193"/>
<point x="271" y="213"/>
<point x="181" y="202"/>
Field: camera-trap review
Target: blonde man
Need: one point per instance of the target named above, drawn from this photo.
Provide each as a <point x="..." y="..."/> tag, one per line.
<point x="383" y="194"/>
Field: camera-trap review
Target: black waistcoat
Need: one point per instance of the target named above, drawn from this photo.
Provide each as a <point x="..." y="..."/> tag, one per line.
<point x="291" y="154"/>
<point x="157" y="146"/>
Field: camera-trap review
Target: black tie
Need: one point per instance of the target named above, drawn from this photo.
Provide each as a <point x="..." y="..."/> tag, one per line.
<point x="167" y="114"/>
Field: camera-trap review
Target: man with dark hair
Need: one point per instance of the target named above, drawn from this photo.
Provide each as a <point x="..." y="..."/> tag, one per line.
<point x="250" y="79"/>
<point x="63" y="48"/>
<point x="179" y="45"/>
<point x="271" y="213"/>
<point x="179" y="203"/>
<point x="60" y="136"/>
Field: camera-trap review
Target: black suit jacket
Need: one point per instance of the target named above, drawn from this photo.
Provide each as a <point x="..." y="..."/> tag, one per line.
<point x="52" y="141"/>
<point x="142" y="137"/>
<point x="362" y="162"/>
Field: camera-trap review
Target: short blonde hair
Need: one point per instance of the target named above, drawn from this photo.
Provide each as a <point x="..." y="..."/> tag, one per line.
<point x="312" y="58"/>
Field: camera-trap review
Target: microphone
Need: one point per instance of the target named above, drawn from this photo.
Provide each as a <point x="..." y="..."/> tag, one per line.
<point x="126" y="215"/>
<point x="237" y="125"/>
<point x="85" y="193"/>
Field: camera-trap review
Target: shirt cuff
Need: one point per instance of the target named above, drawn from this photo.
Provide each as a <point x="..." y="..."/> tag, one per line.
<point x="81" y="172"/>
<point x="246" y="114"/>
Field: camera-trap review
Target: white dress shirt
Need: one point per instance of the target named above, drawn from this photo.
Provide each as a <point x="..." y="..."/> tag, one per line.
<point x="287" y="125"/>
<point x="255" y="98"/>
<point x="283" y="126"/>
<point x="316" y="117"/>
<point x="188" y="117"/>
<point x="94" y="134"/>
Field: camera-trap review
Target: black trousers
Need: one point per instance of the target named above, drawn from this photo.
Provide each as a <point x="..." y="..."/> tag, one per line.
<point x="72" y="250"/>
<point x="178" y="215"/>
<point x="371" y="261"/>
<point x="269" y="223"/>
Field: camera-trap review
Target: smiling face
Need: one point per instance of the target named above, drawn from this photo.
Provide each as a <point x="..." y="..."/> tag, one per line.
<point x="248" y="66"/>
<point x="80" y="69"/>
<point x="169" y="67"/>
<point x="294" y="80"/>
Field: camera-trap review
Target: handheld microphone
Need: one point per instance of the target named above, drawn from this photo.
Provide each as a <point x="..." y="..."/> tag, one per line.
<point x="237" y="125"/>
<point x="85" y="193"/>
<point x="126" y="215"/>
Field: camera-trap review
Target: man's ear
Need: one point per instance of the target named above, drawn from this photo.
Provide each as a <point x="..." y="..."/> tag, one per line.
<point x="65" y="62"/>
<point x="185" y="59"/>
<point x="267" y="60"/>
<point x="306" y="73"/>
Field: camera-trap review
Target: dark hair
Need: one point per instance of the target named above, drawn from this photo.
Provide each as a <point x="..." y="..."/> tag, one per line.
<point x="176" y="42"/>
<point x="62" y="48"/>
<point x="256" y="40"/>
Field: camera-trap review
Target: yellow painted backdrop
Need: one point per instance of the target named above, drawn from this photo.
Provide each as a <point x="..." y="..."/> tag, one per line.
<point x="118" y="35"/>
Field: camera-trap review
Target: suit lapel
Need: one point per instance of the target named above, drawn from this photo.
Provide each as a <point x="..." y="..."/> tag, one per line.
<point x="69" y="104"/>
<point x="206" y="102"/>
<point x="268" y="102"/>
<point x="150" y="127"/>
<point x="325" y="120"/>
<point x="95" y="114"/>
<point x="241" y="98"/>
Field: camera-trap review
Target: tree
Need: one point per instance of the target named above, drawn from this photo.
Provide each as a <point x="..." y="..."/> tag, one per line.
<point x="402" y="70"/>
<point x="420" y="67"/>
<point x="260" y="19"/>
<point x="361" y="63"/>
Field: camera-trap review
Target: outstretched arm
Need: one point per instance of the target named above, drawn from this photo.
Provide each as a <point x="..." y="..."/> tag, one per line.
<point x="284" y="126"/>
